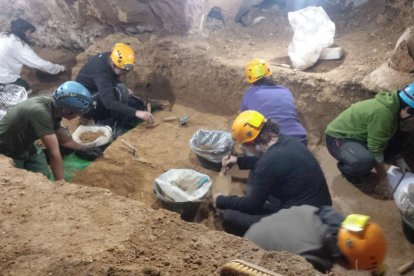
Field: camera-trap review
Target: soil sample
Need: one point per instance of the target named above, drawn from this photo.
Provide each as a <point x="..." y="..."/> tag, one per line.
<point x="88" y="137"/>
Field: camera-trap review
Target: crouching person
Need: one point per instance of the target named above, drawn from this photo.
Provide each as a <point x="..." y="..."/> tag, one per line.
<point x="284" y="173"/>
<point x="39" y="118"/>
<point x="360" y="135"/>
<point x="323" y="238"/>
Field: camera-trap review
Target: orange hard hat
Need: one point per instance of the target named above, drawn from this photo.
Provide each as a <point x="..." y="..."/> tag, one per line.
<point x="247" y="125"/>
<point x="123" y="56"/>
<point x="257" y="69"/>
<point x="364" y="249"/>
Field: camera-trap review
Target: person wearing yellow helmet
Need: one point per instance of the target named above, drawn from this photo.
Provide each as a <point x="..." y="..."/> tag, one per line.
<point x="274" y="101"/>
<point x="323" y="237"/>
<point x="284" y="173"/>
<point x="115" y="103"/>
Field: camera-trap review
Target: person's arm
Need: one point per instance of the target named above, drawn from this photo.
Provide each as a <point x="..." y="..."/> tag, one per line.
<point x="28" y="57"/>
<point x="250" y="203"/>
<point x="263" y="180"/>
<point x="379" y="131"/>
<point x="247" y="162"/>
<point x="56" y="163"/>
<point x="66" y="140"/>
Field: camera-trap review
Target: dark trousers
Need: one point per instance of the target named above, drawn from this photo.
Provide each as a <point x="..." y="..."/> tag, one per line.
<point x="104" y="116"/>
<point x="354" y="159"/>
<point x="237" y="223"/>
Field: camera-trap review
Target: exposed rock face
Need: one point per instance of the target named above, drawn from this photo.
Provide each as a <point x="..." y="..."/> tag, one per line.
<point x="75" y="24"/>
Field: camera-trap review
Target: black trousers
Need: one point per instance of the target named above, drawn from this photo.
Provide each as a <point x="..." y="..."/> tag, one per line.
<point x="104" y="116"/>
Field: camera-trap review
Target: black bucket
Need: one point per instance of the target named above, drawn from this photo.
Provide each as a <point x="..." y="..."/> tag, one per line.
<point x="209" y="165"/>
<point x="187" y="210"/>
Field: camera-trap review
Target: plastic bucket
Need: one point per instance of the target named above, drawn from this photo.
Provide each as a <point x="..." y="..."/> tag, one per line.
<point x="408" y="228"/>
<point x="209" y="165"/>
<point x="210" y="146"/>
<point x="187" y="210"/>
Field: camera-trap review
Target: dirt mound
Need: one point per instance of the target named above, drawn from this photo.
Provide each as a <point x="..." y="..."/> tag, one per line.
<point x="66" y="229"/>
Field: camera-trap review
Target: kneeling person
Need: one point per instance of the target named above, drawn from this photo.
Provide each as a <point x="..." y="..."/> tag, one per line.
<point x="115" y="105"/>
<point x="322" y="237"/>
<point x="39" y="118"/>
<point x="284" y="173"/>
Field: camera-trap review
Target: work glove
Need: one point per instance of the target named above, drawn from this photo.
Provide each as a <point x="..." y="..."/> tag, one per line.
<point x="403" y="165"/>
<point x="90" y="153"/>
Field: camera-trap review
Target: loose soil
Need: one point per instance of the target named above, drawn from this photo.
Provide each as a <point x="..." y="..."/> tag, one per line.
<point x="90" y="136"/>
<point x="93" y="231"/>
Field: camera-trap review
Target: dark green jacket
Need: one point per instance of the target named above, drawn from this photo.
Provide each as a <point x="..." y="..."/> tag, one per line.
<point x="24" y="124"/>
<point x="371" y="121"/>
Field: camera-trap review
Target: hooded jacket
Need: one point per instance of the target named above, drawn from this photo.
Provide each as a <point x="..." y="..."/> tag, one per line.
<point x="371" y="121"/>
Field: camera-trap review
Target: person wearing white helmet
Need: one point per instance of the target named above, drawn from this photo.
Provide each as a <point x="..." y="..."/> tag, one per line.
<point x="15" y="51"/>
<point x="39" y="118"/>
<point x="358" y="137"/>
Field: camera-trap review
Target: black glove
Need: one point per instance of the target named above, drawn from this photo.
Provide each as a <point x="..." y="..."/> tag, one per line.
<point x="90" y="153"/>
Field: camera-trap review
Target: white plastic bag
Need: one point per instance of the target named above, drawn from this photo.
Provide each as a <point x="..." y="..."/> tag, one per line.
<point x="212" y="145"/>
<point x="100" y="141"/>
<point x="314" y="31"/>
<point x="10" y="95"/>
<point x="183" y="185"/>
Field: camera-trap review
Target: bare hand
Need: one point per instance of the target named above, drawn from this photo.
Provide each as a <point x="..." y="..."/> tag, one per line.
<point x="228" y="161"/>
<point x="146" y="116"/>
<point x="214" y="198"/>
<point x="130" y="92"/>
<point x="383" y="189"/>
<point x="403" y="165"/>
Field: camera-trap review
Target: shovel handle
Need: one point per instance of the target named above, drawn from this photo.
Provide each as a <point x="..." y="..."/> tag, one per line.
<point x="406" y="267"/>
<point x="170" y="119"/>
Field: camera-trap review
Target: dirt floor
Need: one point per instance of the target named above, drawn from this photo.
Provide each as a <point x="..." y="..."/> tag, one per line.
<point x="92" y="231"/>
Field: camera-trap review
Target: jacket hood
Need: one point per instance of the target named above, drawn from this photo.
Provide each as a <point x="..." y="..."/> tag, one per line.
<point x="390" y="100"/>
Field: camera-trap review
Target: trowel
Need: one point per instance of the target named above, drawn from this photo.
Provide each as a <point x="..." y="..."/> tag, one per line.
<point x="181" y="120"/>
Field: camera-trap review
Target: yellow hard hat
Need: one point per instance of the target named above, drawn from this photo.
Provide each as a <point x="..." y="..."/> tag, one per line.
<point x="257" y="69"/>
<point x="123" y="56"/>
<point x="247" y="125"/>
<point x="363" y="248"/>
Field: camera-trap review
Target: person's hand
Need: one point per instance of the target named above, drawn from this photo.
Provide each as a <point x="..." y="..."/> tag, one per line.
<point x="403" y="165"/>
<point x="64" y="69"/>
<point x="228" y="161"/>
<point x="383" y="189"/>
<point x="146" y="116"/>
<point x="89" y="153"/>
<point x="130" y="92"/>
<point x="214" y="198"/>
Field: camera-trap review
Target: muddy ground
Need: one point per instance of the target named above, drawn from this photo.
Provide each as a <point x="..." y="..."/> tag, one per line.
<point x="90" y="230"/>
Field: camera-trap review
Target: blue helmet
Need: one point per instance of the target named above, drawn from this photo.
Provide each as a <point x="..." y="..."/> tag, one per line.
<point x="73" y="96"/>
<point x="407" y="95"/>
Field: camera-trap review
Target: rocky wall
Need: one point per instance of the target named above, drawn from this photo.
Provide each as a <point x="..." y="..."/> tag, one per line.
<point x="76" y="24"/>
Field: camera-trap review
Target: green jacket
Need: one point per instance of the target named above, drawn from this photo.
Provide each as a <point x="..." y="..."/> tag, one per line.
<point x="371" y="121"/>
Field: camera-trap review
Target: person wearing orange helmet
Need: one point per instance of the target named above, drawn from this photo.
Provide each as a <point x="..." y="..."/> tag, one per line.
<point x="323" y="237"/>
<point x="284" y="173"/>
<point x="115" y="104"/>
<point x="274" y="101"/>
